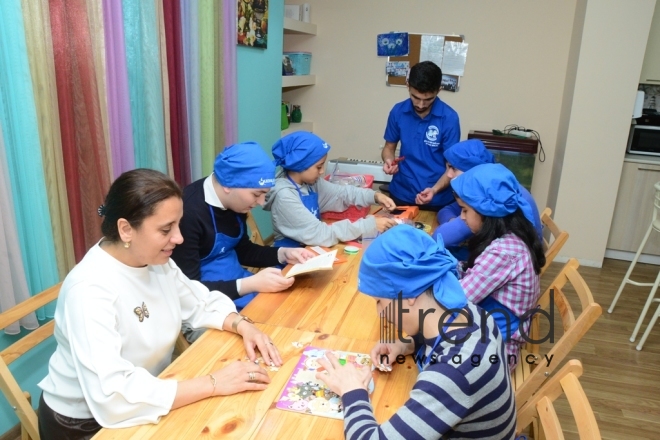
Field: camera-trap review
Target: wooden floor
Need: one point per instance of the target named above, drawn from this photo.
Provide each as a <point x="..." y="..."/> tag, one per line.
<point x="622" y="384"/>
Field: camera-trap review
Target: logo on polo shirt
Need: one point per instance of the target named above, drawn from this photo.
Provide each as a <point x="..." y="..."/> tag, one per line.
<point x="325" y="145"/>
<point x="263" y="181"/>
<point x="432" y="133"/>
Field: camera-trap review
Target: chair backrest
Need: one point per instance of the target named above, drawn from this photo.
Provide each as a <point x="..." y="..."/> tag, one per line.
<point x="574" y="326"/>
<point x="255" y="235"/>
<point x="558" y="238"/>
<point x="541" y="408"/>
<point x="10" y="388"/>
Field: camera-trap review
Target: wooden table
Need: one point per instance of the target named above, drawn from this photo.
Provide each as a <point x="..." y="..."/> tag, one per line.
<point x="252" y="415"/>
<point x="322" y="309"/>
<point x="325" y="301"/>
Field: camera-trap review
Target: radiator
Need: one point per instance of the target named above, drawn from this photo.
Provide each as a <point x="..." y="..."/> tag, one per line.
<point x="359" y="166"/>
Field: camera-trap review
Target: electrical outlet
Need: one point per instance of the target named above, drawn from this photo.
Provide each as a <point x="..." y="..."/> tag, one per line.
<point x="521" y="133"/>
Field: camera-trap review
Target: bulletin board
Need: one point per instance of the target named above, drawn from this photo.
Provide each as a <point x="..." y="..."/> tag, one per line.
<point x="415" y="44"/>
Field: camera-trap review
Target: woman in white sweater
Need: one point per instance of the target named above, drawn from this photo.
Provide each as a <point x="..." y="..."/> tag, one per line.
<point x="119" y="313"/>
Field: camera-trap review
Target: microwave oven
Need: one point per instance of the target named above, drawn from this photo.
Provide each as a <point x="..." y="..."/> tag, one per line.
<point x="644" y="136"/>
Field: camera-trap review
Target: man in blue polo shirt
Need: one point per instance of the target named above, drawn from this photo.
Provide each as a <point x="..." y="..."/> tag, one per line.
<point x="425" y="126"/>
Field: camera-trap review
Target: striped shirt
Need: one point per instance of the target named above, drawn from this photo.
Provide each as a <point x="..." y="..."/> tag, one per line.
<point x="462" y="395"/>
<point x="505" y="271"/>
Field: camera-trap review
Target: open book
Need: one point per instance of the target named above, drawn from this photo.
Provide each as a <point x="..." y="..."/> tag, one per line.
<point x="320" y="262"/>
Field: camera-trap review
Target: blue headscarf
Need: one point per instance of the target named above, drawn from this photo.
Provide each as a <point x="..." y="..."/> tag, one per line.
<point x="467" y="154"/>
<point x="299" y="150"/>
<point x="244" y="165"/>
<point x="491" y="190"/>
<point x="407" y="260"/>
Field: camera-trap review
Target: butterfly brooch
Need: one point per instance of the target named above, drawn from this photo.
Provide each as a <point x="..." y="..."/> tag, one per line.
<point x="141" y="312"/>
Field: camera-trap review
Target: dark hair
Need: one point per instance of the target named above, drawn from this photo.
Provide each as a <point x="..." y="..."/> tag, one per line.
<point x="425" y="77"/>
<point x="134" y="197"/>
<point x="495" y="227"/>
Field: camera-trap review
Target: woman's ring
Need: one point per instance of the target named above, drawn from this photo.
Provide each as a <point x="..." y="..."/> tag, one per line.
<point x="251" y="376"/>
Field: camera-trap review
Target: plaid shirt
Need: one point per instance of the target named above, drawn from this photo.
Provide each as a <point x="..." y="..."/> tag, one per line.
<point x="504" y="270"/>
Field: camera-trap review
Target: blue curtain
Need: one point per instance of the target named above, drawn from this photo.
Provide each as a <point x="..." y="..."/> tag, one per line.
<point x="141" y="34"/>
<point x="18" y="117"/>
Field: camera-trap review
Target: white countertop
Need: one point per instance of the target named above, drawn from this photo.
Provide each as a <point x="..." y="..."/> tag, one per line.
<point x="641" y="158"/>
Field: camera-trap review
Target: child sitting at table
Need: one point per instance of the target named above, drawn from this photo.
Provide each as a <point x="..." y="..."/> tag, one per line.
<point x="463" y="388"/>
<point x="501" y="274"/>
<point x="301" y="194"/>
<point x="460" y="158"/>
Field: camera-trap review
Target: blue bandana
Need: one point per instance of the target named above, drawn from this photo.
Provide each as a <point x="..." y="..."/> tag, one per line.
<point x="244" y="165"/>
<point x="491" y="190"/>
<point x="407" y="260"/>
<point x="299" y="151"/>
<point x="467" y="154"/>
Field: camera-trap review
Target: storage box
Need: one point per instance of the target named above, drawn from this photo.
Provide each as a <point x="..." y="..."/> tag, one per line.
<point x="300" y="61"/>
<point x="293" y="12"/>
<point x="352" y="213"/>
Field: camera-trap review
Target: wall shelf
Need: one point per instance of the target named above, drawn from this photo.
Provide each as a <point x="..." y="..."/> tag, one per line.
<point x="292" y="26"/>
<point x="299" y="126"/>
<point x="298" y="80"/>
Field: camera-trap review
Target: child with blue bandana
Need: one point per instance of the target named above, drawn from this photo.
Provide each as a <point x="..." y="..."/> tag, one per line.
<point x="301" y="194"/>
<point x="460" y="158"/>
<point x="501" y="274"/>
<point x="216" y="245"/>
<point x="454" y="396"/>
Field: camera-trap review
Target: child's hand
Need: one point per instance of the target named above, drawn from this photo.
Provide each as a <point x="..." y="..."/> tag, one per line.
<point x="385" y="223"/>
<point x="266" y="280"/>
<point x="342" y="379"/>
<point x="383" y="356"/>
<point x="294" y="255"/>
<point x="384" y="201"/>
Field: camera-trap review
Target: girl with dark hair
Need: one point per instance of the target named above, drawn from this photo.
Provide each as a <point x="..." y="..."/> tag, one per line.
<point x="119" y="313"/>
<point x="501" y="274"/>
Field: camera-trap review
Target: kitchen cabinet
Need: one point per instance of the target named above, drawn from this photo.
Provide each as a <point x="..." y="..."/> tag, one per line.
<point x="295" y="27"/>
<point x="651" y="67"/>
<point x="634" y="207"/>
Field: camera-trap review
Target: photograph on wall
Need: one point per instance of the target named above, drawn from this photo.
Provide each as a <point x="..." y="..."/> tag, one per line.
<point x="392" y="44"/>
<point x="449" y="83"/>
<point x="252" y="20"/>
<point x="397" y="68"/>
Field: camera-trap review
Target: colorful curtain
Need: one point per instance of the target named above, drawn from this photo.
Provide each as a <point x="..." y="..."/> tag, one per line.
<point x="90" y="89"/>
<point x="18" y="118"/>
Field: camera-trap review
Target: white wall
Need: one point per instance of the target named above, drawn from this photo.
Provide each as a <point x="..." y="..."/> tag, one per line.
<point x="515" y="69"/>
<point x="597" y="119"/>
<point x="567" y="69"/>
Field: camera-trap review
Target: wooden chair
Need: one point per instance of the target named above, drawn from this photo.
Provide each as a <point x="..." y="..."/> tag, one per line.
<point x="19" y="400"/>
<point x="557" y="236"/>
<point x="540" y="406"/>
<point x="527" y="378"/>
<point x="255" y="235"/>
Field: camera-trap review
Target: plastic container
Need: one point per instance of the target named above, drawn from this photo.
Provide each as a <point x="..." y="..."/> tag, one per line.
<point x="300" y="61"/>
<point x="367" y="240"/>
<point x="352" y="213"/>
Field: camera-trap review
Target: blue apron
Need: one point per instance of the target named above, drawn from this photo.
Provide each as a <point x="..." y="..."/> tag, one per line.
<point x="222" y="262"/>
<point x="489" y="304"/>
<point x="311" y="202"/>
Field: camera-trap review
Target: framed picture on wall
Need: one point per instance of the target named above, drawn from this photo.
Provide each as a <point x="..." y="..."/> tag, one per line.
<point x="252" y="22"/>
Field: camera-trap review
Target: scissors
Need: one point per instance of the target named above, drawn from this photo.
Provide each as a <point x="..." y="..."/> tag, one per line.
<point x="398" y="159"/>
